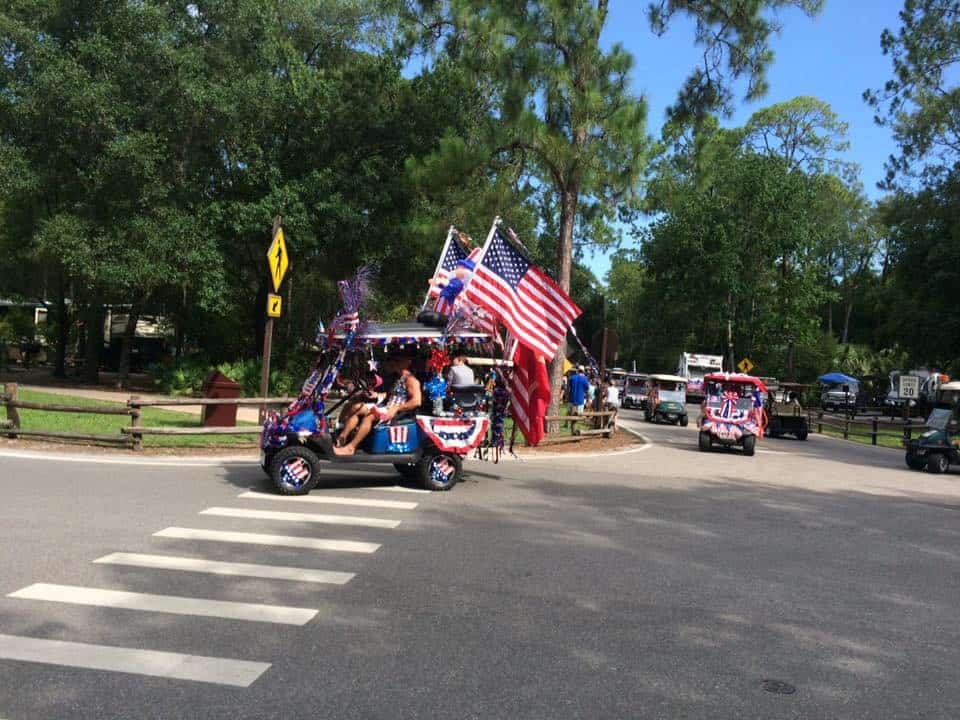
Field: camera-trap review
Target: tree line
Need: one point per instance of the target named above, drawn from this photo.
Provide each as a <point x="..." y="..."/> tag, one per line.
<point x="146" y="146"/>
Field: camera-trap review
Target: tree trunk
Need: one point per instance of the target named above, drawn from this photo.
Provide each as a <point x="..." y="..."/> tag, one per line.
<point x="129" y="330"/>
<point x="63" y="327"/>
<point x="847" y="313"/>
<point x="93" y="320"/>
<point x="568" y="212"/>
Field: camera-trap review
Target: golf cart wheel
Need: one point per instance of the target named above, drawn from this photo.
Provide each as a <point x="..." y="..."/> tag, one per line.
<point x="684" y="421"/>
<point x="802" y="434"/>
<point x="294" y="470"/>
<point x="914" y="462"/>
<point x="705" y="441"/>
<point x="937" y="463"/>
<point x="408" y="471"/>
<point x="440" y="472"/>
<point x="646" y="416"/>
<point x="749" y="445"/>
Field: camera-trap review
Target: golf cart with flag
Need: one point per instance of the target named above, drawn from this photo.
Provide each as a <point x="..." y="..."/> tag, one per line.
<point x="666" y="400"/>
<point x="426" y="444"/>
<point x="732" y="412"/>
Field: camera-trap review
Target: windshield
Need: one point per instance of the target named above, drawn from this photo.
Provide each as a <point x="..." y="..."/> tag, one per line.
<point x="743" y="403"/>
<point x="635" y="386"/>
<point x="670" y="395"/>
<point x="698" y="371"/>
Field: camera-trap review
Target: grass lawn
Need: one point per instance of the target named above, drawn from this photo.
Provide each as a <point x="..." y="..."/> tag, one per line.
<point x="883" y="440"/>
<point x="111" y="424"/>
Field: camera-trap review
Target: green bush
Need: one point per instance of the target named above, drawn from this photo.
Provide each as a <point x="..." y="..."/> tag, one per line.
<point x="180" y="377"/>
<point x="187" y="375"/>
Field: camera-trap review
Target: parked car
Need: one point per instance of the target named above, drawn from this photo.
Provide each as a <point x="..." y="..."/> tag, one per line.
<point x="839" y="392"/>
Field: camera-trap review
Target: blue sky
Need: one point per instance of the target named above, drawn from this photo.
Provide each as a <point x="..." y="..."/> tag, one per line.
<point x="834" y="56"/>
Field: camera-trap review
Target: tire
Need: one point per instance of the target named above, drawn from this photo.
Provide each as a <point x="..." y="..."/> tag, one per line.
<point x="646" y="416"/>
<point x="749" y="445"/>
<point x="684" y="421"/>
<point x="937" y="463"/>
<point x="914" y="462"/>
<point x="802" y="435"/>
<point x="433" y="476"/>
<point x="296" y="459"/>
<point x="705" y="442"/>
<point x="407" y="471"/>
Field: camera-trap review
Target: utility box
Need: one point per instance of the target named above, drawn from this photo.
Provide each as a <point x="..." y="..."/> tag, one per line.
<point x="218" y="385"/>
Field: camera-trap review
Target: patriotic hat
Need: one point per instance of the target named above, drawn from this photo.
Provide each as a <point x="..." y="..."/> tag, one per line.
<point x="468" y="264"/>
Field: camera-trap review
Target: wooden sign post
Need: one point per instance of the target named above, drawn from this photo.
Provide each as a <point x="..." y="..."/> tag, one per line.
<point x="278" y="260"/>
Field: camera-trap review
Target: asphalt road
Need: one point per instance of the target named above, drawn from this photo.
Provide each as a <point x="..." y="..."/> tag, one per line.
<point x="664" y="583"/>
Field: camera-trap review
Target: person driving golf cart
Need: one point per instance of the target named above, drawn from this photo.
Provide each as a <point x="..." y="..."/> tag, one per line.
<point x="404" y="397"/>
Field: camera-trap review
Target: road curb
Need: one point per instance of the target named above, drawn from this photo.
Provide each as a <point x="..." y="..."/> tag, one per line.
<point x="175" y="461"/>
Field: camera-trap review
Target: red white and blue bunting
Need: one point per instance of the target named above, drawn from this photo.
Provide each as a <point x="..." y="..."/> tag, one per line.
<point x="454" y="434"/>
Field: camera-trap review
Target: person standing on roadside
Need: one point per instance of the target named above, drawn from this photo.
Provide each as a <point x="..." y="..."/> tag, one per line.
<point x="577" y="391"/>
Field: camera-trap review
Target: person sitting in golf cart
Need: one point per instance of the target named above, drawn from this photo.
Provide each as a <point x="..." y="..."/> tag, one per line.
<point x="404" y="396"/>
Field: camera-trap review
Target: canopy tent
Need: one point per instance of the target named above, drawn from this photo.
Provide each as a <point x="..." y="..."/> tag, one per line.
<point x="837" y="378"/>
<point x="737" y="378"/>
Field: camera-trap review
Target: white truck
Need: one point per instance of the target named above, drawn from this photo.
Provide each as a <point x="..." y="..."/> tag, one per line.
<point x="693" y="367"/>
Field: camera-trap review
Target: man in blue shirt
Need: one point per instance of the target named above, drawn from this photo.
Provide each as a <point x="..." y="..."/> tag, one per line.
<point x="577" y="387"/>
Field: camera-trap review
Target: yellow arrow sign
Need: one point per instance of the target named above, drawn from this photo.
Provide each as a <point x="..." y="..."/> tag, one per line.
<point x="745" y="365"/>
<point x="274" y="303"/>
<point x="279" y="260"/>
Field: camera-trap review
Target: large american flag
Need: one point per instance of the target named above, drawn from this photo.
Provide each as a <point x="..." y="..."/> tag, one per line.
<point x="519" y="294"/>
<point x="529" y="386"/>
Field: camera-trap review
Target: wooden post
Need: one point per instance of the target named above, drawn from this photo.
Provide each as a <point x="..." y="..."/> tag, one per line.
<point x="907" y="429"/>
<point x="876" y="429"/>
<point x="846" y="428"/>
<point x="13" y="415"/>
<point x="820" y="421"/>
<point x="133" y="404"/>
<point x="267" y="342"/>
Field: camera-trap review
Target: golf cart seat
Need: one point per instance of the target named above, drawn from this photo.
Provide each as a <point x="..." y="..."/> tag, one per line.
<point x="466" y="396"/>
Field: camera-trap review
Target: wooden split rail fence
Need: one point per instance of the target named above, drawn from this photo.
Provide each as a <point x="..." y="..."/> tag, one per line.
<point x="130" y="436"/>
<point x="603" y="422"/>
<point x="871" y="426"/>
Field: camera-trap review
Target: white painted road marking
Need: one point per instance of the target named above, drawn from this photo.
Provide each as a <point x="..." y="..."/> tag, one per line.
<point x="301" y="517"/>
<point x="197" y="668"/>
<point x="330" y="500"/>
<point x="262" y="539"/>
<point x="274" y="572"/>
<point x="393" y="488"/>
<point x="252" y="612"/>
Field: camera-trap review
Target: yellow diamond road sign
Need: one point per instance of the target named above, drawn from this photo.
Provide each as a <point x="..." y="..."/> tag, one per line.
<point x="745" y="365"/>
<point x="278" y="259"/>
<point x="274" y="303"/>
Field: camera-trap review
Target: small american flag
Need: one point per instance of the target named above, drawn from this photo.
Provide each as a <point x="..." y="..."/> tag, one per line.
<point x="519" y="294"/>
<point x="443" y="467"/>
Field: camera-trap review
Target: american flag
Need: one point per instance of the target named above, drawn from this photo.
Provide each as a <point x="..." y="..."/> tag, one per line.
<point x="529" y="387"/>
<point x="519" y="294"/>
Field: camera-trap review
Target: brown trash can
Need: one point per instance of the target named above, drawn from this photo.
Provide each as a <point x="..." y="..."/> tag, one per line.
<point x="218" y="385"/>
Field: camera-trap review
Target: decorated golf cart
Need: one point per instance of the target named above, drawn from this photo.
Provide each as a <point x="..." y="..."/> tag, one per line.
<point x="634" y="391"/>
<point x="666" y="400"/>
<point x="424" y="426"/>
<point x="732" y="412"/>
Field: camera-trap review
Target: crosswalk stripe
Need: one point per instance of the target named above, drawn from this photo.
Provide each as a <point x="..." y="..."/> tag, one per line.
<point x="252" y="612"/>
<point x="263" y="539"/>
<point x="197" y="668"/>
<point x="330" y="500"/>
<point x="301" y="517"/>
<point x="273" y="572"/>
<point x="393" y="488"/>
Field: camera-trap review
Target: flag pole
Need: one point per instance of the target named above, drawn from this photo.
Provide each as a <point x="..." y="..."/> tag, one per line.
<point x="443" y="254"/>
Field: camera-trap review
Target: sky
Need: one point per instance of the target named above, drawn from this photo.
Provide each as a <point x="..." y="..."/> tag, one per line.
<point x="834" y="56"/>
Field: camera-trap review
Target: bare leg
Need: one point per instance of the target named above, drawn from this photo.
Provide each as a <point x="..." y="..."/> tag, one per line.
<point x="366" y="425"/>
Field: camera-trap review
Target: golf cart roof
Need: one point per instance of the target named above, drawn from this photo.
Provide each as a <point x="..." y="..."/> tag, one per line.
<point x="952" y="385"/>
<point x="637" y="376"/>
<point x="668" y="378"/>
<point x="737" y="379"/>
<point x="413" y="333"/>
<point x="838" y="378"/>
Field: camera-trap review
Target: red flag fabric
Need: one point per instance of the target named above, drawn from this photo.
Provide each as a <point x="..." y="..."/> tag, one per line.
<point x="529" y="391"/>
